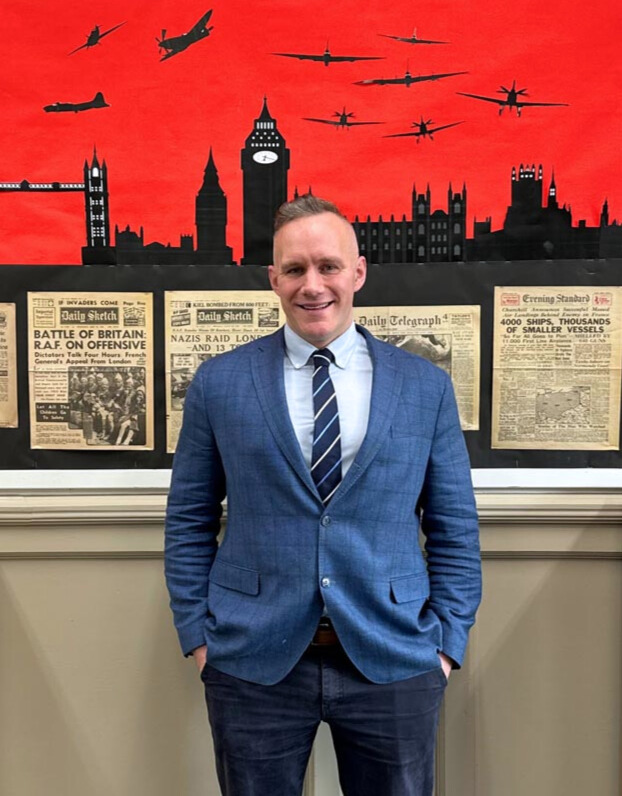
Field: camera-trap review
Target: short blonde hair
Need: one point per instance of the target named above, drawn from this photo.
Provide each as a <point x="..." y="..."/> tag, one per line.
<point x="303" y="206"/>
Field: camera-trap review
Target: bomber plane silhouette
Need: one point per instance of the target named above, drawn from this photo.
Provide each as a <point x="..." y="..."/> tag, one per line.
<point x="176" y="44"/>
<point x="343" y="120"/>
<point x="327" y="58"/>
<point x="512" y="99"/>
<point x="95" y="36"/>
<point x="424" y="129"/>
<point x="98" y="101"/>
<point x="414" y="39"/>
<point x="407" y="80"/>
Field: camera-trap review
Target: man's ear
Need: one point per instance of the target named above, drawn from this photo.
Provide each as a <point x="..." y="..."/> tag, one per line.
<point x="273" y="277"/>
<point x="361" y="273"/>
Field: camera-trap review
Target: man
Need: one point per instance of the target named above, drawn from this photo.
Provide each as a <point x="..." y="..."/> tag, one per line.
<point x="333" y="449"/>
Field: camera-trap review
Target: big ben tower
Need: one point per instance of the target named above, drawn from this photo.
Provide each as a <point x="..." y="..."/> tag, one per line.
<point x="265" y="162"/>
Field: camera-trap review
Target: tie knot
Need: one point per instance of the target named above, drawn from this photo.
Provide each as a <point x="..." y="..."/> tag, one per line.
<point x="322" y="357"/>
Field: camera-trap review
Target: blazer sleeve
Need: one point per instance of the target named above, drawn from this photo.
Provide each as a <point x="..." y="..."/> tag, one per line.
<point x="193" y="514"/>
<point x="450" y="525"/>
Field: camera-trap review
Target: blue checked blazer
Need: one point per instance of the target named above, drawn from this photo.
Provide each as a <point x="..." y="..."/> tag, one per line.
<point x="255" y="599"/>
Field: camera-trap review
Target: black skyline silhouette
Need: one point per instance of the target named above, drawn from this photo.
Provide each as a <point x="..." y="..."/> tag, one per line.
<point x="531" y="229"/>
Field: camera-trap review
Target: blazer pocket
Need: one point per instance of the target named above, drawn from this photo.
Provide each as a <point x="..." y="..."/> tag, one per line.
<point x="230" y="576"/>
<point x="408" y="588"/>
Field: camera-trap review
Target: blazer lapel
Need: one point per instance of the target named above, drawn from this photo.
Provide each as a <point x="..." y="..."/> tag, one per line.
<point x="386" y="388"/>
<point x="267" y="370"/>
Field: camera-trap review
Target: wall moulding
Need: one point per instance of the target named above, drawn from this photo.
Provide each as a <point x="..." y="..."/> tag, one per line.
<point x="147" y="504"/>
<point x="127" y="523"/>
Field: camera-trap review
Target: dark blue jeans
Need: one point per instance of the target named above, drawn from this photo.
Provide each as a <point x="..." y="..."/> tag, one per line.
<point x="384" y="735"/>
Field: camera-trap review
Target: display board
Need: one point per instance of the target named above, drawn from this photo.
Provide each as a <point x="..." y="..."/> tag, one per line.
<point x="448" y="285"/>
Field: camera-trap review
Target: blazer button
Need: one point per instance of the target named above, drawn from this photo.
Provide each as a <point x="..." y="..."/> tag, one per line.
<point x="325" y="583"/>
<point x="326" y="521"/>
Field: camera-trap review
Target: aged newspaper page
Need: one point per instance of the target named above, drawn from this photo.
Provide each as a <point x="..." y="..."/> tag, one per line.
<point x="90" y="364"/>
<point x="8" y="367"/>
<point x="447" y="336"/>
<point x="556" y="368"/>
<point x="201" y="324"/>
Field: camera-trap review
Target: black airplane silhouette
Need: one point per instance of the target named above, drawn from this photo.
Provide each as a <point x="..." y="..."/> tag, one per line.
<point x="424" y="129"/>
<point x="95" y="36"/>
<point x="512" y="99"/>
<point x="343" y="120"/>
<point x="98" y="101"/>
<point x="176" y="44"/>
<point x="406" y="80"/>
<point x="414" y="39"/>
<point x="326" y="58"/>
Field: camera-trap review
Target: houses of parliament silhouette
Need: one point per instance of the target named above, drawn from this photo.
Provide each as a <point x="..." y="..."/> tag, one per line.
<point x="531" y="229"/>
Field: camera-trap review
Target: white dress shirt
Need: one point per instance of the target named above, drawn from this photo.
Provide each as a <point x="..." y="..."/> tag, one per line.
<point x="351" y="374"/>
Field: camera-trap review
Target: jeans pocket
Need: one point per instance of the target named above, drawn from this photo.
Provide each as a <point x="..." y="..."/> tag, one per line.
<point x="443" y="677"/>
<point x="203" y="672"/>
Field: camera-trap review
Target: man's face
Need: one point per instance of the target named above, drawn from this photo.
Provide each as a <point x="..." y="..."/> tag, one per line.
<point x="316" y="272"/>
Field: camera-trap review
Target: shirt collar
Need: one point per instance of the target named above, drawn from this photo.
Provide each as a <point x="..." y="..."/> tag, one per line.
<point x="299" y="350"/>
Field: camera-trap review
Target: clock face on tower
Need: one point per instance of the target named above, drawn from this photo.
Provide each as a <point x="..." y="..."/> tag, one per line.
<point x="265" y="156"/>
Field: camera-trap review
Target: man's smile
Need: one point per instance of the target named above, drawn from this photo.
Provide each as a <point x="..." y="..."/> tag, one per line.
<point x="313" y="307"/>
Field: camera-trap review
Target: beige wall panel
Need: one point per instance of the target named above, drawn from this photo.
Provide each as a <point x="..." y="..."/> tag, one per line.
<point x="96" y="700"/>
<point x="95" y="697"/>
<point x="537" y="710"/>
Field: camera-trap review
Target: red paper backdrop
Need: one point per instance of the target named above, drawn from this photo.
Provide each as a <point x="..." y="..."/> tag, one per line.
<point x="164" y="116"/>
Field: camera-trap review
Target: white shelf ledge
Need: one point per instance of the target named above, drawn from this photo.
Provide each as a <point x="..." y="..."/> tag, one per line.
<point x="500" y="478"/>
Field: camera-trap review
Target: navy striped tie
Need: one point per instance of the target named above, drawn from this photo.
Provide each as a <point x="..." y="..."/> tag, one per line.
<point x="326" y="452"/>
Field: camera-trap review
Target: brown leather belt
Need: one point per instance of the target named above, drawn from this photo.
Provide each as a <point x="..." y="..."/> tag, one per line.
<point x="325" y="635"/>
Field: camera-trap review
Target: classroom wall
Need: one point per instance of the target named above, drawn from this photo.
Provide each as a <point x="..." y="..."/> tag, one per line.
<point x="96" y="699"/>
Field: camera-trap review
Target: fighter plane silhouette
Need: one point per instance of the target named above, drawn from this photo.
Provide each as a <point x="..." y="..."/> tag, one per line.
<point x="176" y="44"/>
<point x="423" y="130"/>
<point x="326" y="58"/>
<point x="512" y="99"/>
<point x="342" y="121"/>
<point x="407" y="80"/>
<point x="98" y="101"/>
<point x="95" y="36"/>
<point x="414" y="39"/>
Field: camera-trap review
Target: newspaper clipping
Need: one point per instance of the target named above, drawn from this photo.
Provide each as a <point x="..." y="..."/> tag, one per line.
<point x="8" y="367"/>
<point x="556" y="368"/>
<point x="201" y="324"/>
<point x="91" y="370"/>
<point x="446" y="336"/>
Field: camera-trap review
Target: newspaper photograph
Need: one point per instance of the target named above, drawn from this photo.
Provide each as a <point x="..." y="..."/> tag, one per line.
<point x="8" y="367"/>
<point x="556" y="368"/>
<point x="201" y="324"/>
<point x="90" y="366"/>
<point x="447" y="336"/>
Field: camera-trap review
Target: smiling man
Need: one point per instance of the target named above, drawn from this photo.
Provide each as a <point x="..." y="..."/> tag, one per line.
<point x="334" y="450"/>
<point x="317" y="270"/>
